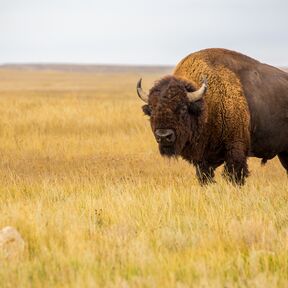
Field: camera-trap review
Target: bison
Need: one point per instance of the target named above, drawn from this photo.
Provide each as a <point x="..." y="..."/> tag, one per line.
<point x="239" y="110"/>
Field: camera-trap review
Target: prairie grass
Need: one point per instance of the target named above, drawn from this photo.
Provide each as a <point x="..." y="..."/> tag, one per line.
<point x="82" y="180"/>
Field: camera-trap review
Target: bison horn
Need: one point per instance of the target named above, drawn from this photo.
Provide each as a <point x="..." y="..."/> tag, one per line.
<point x="142" y="94"/>
<point x="198" y="94"/>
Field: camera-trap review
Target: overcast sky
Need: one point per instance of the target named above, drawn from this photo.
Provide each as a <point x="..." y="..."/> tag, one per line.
<point x="140" y="31"/>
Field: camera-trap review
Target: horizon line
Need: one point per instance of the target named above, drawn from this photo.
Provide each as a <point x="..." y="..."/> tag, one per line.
<point x="84" y="64"/>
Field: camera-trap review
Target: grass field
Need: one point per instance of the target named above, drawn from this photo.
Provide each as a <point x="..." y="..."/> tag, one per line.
<point x="82" y="180"/>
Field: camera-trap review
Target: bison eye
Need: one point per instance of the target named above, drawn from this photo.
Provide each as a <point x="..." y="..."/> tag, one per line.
<point x="196" y="108"/>
<point x="183" y="109"/>
<point x="147" y="110"/>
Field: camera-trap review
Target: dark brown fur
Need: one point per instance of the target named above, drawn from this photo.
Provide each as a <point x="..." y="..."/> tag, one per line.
<point x="244" y="113"/>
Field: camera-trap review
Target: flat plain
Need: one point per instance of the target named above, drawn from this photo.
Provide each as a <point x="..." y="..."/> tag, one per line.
<point x="81" y="178"/>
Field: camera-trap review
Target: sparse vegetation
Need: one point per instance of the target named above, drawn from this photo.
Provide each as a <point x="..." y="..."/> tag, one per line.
<point x="82" y="180"/>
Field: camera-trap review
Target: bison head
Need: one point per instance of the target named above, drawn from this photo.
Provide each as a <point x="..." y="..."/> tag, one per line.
<point x="175" y="107"/>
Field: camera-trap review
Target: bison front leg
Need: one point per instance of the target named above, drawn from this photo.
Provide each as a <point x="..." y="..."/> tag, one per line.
<point x="204" y="172"/>
<point x="236" y="168"/>
<point x="283" y="157"/>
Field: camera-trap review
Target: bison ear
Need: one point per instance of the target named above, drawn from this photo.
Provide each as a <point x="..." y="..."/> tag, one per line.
<point x="196" y="108"/>
<point x="147" y="110"/>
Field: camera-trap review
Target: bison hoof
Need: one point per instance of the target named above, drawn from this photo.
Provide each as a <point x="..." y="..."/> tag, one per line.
<point x="206" y="181"/>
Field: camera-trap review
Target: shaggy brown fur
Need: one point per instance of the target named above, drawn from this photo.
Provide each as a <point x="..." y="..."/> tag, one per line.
<point x="218" y="128"/>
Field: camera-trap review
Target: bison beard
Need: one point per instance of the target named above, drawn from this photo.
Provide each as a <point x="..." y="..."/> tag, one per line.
<point x="168" y="151"/>
<point x="236" y="118"/>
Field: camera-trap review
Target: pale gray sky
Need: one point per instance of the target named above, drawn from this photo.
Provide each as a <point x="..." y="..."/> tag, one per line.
<point x="140" y="31"/>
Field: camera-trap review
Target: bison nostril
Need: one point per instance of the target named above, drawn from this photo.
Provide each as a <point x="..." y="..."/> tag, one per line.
<point x="165" y="135"/>
<point x="169" y="138"/>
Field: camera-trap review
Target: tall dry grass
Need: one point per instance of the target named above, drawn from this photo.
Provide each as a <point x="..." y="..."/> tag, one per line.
<point x="83" y="182"/>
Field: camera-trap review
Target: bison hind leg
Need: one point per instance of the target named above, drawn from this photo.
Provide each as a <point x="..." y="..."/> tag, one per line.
<point x="264" y="161"/>
<point x="283" y="157"/>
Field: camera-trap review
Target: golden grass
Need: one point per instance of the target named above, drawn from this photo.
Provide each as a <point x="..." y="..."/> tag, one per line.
<point x="82" y="180"/>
